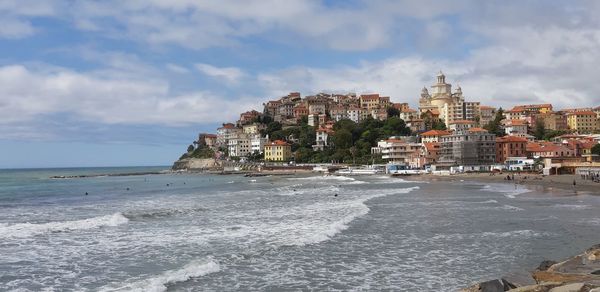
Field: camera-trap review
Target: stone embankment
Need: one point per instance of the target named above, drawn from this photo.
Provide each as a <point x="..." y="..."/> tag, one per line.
<point x="580" y="273"/>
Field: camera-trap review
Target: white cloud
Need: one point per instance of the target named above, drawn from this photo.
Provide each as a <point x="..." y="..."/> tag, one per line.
<point x="107" y="100"/>
<point x="228" y="74"/>
<point x="13" y="28"/>
<point x="176" y="68"/>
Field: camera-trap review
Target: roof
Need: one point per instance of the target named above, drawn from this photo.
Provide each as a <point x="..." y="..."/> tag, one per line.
<point x="431" y="145"/>
<point x="278" y="143"/>
<point x="408" y="110"/>
<point x="462" y="122"/>
<point x="370" y="96"/>
<point x="529" y="106"/>
<point x="511" y="139"/>
<point x="544" y="147"/>
<point x="583" y="113"/>
<point x="475" y="129"/>
<point x="228" y="126"/>
<point x="517" y="122"/>
<point x="485" y="107"/>
<point x="210" y="136"/>
<point x="435" y="133"/>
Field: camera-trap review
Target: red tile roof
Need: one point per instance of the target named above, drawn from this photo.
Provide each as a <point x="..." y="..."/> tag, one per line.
<point x="583" y="113"/>
<point x="435" y="133"/>
<point x="475" y="129"/>
<point x="510" y="139"/>
<point x="431" y="146"/>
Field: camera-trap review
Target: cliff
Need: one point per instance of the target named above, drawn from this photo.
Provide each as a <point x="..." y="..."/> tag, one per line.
<point x="196" y="164"/>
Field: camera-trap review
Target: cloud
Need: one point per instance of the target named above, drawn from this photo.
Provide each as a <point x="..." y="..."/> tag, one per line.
<point x="228" y="74"/>
<point x="176" y="68"/>
<point x="105" y="100"/>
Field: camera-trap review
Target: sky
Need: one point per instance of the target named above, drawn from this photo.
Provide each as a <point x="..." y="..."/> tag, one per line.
<point x="119" y="83"/>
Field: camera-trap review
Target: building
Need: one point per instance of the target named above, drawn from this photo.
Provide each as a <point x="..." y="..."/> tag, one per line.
<point x="461" y="125"/>
<point x="207" y="140"/>
<point x="547" y="150"/>
<point x="226" y="132"/>
<point x="248" y="117"/>
<point x="515" y="127"/>
<point x="556" y="121"/>
<point x="487" y="114"/>
<point x="433" y="135"/>
<point x="322" y="138"/>
<point x="408" y="114"/>
<point x="257" y="144"/>
<point x="582" y="121"/>
<point x="253" y="129"/>
<point x="399" y="151"/>
<point x="239" y="146"/>
<point x="430" y="153"/>
<point x="373" y="101"/>
<point x="510" y="146"/>
<point x="300" y="110"/>
<point x="354" y="113"/>
<point x="271" y="107"/>
<point x="521" y="112"/>
<point x="278" y="150"/>
<point x="473" y="147"/>
<point x="317" y="109"/>
<point x="451" y="106"/>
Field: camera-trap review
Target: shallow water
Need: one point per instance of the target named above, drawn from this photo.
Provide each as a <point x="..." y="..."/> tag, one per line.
<point x="221" y="233"/>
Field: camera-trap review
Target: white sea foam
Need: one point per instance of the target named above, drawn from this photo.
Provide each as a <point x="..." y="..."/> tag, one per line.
<point x="159" y="283"/>
<point x="488" y="202"/>
<point x="512" y="208"/>
<point x="572" y="206"/>
<point x="324" y="177"/>
<point x="21" y="230"/>
<point x="355" y="209"/>
<point x="505" y="189"/>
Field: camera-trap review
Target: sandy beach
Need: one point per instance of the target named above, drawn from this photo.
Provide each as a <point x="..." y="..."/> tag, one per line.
<point x="532" y="181"/>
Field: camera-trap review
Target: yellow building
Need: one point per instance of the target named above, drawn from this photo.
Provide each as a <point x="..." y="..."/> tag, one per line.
<point x="278" y="151"/>
<point x="582" y="121"/>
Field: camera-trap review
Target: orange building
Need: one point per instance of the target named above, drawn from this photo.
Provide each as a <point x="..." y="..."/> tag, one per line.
<point x="510" y="146"/>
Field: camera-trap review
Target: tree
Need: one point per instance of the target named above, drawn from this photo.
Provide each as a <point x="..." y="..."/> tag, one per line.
<point x="540" y="129"/>
<point x="495" y="126"/>
<point x="596" y="149"/>
<point x="393" y="112"/>
<point x="190" y="148"/>
<point x="342" y="139"/>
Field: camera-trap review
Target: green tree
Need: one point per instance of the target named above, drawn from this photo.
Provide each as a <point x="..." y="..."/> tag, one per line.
<point x="190" y="148"/>
<point x="495" y="126"/>
<point x="393" y="112"/>
<point x="540" y="129"/>
<point x="342" y="139"/>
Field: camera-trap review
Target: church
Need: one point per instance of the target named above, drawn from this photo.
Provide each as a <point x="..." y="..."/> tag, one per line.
<point x="449" y="107"/>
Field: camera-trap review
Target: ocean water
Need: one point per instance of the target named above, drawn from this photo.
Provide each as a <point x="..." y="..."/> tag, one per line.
<point x="181" y="232"/>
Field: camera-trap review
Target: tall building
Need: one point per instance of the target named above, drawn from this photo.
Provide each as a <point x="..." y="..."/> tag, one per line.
<point x="472" y="147"/>
<point x="487" y="114"/>
<point x="451" y="106"/>
<point x="582" y="121"/>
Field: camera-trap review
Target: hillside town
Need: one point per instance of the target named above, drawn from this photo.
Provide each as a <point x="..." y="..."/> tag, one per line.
<point x="446" y="132"/>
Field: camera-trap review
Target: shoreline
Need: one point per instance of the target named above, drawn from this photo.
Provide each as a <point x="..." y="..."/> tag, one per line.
<point x="534" y="182"/>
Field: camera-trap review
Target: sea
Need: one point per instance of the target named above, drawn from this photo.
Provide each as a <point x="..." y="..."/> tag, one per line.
<point x="194" y="232"/>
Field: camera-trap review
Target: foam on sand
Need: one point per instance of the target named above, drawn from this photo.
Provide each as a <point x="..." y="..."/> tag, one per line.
<point x="324" y="177"/>
<point x="21" y="230"/>
<point x="158" y="283"/>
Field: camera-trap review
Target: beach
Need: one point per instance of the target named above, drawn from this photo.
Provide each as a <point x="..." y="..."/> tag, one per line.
<point x="562" y="184"/>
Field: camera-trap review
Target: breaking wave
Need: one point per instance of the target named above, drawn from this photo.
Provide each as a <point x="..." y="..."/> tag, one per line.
<point x="159" y="283"/>
<point x="21" y="230"/>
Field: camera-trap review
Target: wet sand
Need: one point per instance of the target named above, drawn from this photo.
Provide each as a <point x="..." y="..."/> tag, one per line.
<point x="533" y="181"/>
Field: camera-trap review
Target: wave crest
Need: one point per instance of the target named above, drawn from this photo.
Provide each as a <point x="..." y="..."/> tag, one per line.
<point x="21" y="230"/>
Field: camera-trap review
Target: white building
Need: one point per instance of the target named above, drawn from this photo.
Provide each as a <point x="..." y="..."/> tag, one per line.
<point x="239" y="146"/>
<point x="257" y="143"/>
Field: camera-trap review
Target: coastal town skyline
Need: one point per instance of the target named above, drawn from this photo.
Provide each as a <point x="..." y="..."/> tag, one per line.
<point x="132" y="83"/>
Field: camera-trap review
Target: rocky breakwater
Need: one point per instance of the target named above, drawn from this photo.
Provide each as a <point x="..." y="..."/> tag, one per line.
<point x="197" y="164"/>
<point x="580" y="273"/>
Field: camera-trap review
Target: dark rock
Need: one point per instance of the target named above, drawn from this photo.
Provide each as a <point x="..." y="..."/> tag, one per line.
<point x="596" y="272"/>
<point x="492" y="286"/>
<point x="544" y="265"/>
